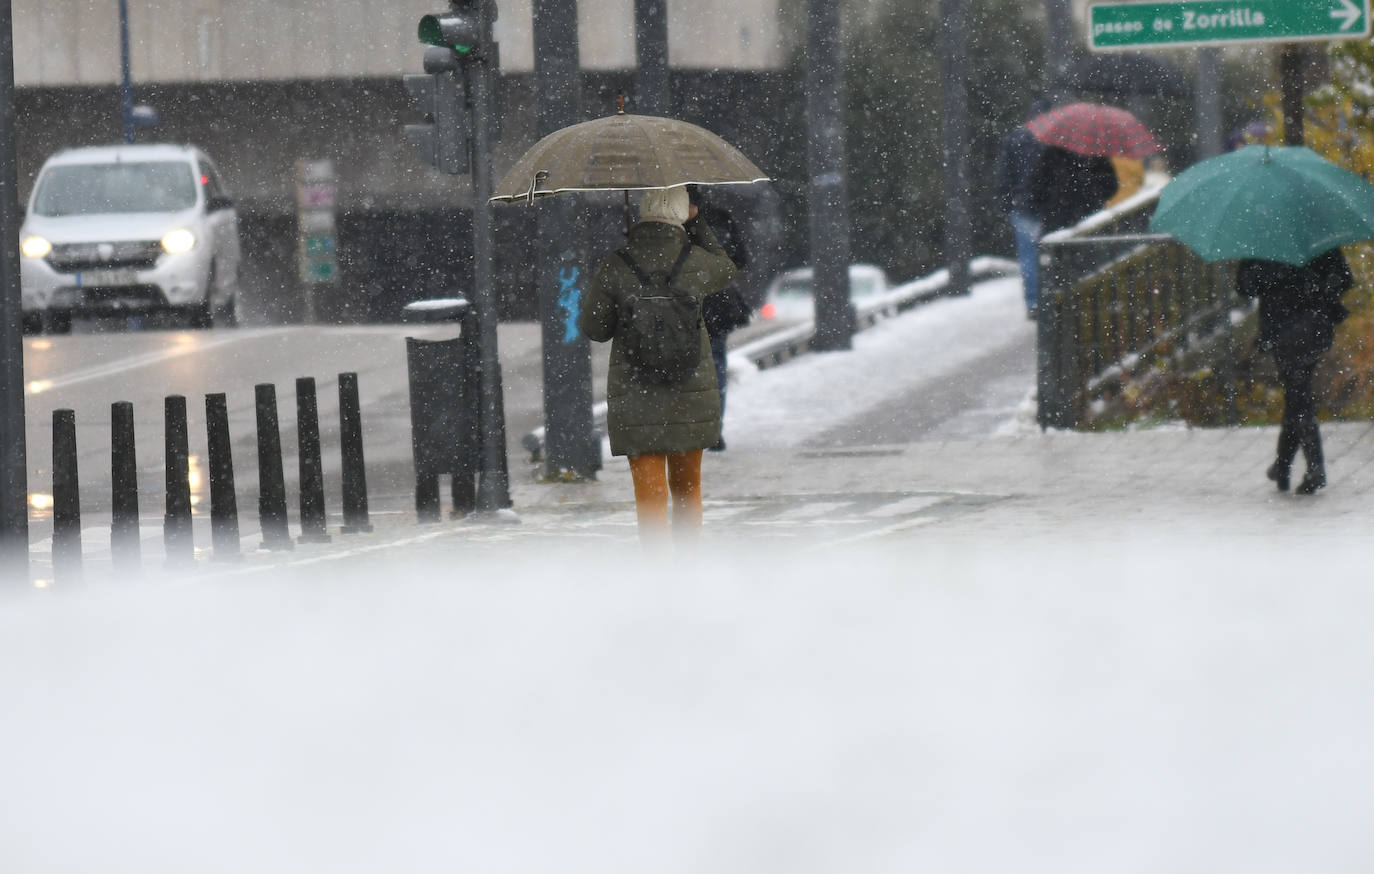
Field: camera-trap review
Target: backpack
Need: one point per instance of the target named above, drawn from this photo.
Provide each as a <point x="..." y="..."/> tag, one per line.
<point x="659" y="327"/>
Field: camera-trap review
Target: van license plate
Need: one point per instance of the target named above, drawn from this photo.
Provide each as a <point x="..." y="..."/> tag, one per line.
<point x="90" y="278"/>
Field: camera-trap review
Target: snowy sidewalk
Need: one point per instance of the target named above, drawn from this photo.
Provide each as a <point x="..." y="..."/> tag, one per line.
<point x="1049" y="653"/>
<point x="818" y="457"/>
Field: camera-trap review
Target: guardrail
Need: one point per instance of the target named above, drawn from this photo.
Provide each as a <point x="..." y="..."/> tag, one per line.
<point x="787" y="343"/>
<point x="1114" y="301"/>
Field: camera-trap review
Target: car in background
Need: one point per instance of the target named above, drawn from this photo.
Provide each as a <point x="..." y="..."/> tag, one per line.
<point x="789" y="295"/>
<point x="129" y="229"/>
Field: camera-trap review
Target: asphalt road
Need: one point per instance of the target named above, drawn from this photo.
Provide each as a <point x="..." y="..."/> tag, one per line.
<point x="87" y="371"/>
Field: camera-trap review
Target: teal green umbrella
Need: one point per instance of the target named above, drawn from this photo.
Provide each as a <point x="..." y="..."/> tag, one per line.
<point x="1279" y="203"/>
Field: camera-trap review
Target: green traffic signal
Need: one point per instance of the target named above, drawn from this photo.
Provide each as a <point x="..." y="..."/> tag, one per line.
<point x="460" y="31"/>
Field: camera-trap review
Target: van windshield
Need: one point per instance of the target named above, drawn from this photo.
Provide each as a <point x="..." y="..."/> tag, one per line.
<point x="144" y="186"/>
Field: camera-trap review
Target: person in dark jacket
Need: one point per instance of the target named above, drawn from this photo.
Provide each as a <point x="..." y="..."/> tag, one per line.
<point x="1299" y="308"/>
<point x="1011" y="176"/>
<point x="725" y="310"/>
<point x="661" y="428"/>
<point x="1066" y="187"/>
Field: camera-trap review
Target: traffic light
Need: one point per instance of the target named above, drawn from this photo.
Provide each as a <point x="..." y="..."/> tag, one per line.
<point x="465" y="28"/>
<point x="441" y="140"/>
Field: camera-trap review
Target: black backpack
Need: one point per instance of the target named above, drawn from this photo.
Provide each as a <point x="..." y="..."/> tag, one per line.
<point x="659" y="328"/>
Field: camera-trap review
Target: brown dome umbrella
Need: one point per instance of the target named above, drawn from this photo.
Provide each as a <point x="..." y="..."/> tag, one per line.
<point x="624" y="152"/>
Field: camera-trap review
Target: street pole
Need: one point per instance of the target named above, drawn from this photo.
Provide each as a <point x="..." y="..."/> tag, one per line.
<point x="571" y="447"/>
<point x="954" y="130"/>
<point x="1291" y="89"/>
<point x="652" y="90"/>
<point x="126" y="88"/>
<point x="1058" y="46"/>
<point x="829" y="196"/>
<point x="1207" y="87"/>
<point x="14" y="485"/>
<point x="493" y="485"/>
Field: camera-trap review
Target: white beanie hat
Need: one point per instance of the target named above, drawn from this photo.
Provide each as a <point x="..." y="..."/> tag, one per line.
<point x="664" y="205"/>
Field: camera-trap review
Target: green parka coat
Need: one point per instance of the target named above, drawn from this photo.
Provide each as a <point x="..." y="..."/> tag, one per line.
<point x="642" y="417"/>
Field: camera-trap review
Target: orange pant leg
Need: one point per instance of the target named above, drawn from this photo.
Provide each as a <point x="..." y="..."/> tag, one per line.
<point x="684" y="482"/>
<point x="649" y="473"/>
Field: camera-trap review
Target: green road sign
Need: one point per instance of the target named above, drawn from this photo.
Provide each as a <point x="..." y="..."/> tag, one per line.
<point x="1213" y="22"/>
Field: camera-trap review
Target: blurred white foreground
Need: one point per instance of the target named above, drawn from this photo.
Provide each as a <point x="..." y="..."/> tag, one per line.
<point x="1132" y="707"/>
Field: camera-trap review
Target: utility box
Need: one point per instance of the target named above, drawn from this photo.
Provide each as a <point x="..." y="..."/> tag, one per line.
<point x="445" y="408"/>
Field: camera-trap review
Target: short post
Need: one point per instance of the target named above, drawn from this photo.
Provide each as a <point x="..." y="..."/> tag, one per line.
<point x="176" y="523"/>
<point x="66" y="500"/>
<point x="355" y="516"/>
<point x="271" y="477"/>
<point x="224" y="508"/>
<point x="125" y="546"/>
<point x="311" y="465"/>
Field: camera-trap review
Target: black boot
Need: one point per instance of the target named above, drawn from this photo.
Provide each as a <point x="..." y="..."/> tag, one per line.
<point x="1315" y="477"/>
<point x="1279" y="472"/>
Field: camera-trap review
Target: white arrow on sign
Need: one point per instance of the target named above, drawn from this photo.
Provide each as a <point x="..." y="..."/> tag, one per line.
<point x="1351" y="14"/>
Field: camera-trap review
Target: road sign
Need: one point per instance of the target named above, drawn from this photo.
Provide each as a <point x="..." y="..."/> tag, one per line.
<point x="1213" y="22"/>
<point x="316" y="197"/>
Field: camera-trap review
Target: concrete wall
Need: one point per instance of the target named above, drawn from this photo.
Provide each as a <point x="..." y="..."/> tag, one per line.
<point x="76" y="42"/>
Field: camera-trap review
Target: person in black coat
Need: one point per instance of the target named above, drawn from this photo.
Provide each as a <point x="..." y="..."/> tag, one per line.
<point x="727" y="309"/>
<point x="1066" y="187"/>
<point x="1299" y="308"/>
<point x="1016" y="156"/>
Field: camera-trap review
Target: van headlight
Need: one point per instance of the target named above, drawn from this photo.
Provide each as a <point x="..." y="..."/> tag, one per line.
<point x="178" y="241"/>
<point x="35" y="247"/>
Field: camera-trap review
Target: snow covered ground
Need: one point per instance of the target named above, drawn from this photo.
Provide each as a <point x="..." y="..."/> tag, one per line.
<point x="859" y="712"/>
<point x="1048" y="703"/>
<point x="898" y="359"/>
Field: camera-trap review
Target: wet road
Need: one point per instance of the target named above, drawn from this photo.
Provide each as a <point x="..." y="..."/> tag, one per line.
<point x="87" y="372"/>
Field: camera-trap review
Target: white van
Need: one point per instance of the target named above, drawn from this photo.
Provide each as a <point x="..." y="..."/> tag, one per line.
<point x="127" y="229"/>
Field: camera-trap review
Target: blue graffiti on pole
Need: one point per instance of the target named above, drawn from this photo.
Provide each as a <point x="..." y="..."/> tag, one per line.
<point x="570" y="299"/>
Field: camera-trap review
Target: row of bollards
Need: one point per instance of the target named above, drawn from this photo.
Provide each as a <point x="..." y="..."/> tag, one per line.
<point x="125" y="547"/>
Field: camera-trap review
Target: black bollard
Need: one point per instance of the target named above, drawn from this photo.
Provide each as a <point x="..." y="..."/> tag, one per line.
<point x="355" y="517"/>
<point x="271" y="478"/>
<point x="224" y="506"/>
<point x="311" y="467"/>
<point x="66" y="500"/>
<point x="125" y="547"/>
<point x="176" y="524"/>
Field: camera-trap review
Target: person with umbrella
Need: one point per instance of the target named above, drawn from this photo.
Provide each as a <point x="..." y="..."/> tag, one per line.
<point x="660" y="423"/>
<point x="1073" y="176"/>
<point x="1282" y="212"/>
<point x="1299" y="308"/>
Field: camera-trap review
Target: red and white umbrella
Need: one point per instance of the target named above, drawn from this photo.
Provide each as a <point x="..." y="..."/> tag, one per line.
<point x="1094" y="129"/>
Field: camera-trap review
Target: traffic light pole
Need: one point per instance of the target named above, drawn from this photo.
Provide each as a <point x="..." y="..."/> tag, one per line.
<point x="493" y="485"/>
<point x="14" y="471"/>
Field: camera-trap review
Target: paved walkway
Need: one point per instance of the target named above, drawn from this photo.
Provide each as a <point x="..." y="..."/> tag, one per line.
<point x="782" y="486"/>
<point x="1033" y="493"/>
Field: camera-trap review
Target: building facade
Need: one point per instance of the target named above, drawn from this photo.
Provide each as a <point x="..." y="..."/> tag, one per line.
<point x="265" y="84"/>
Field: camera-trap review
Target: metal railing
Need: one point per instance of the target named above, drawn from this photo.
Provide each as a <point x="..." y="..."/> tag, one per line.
<point x="1116" y="300"/>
